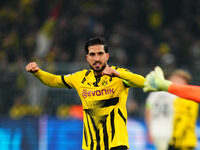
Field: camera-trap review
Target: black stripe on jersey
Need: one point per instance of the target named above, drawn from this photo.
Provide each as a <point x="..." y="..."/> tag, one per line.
<point x="87" y="73"/>
<point x="97" y="134"/>
<point x="126" y="85"/>
<point x="120" y="113"/>
<point x="110" y="102"/>
<point x="65" y="83"/>
<point x="83" y="80"/>
<point x="112" y="123"/>
<point x="116" y="67"/>
<point x="92" y="143"/>
<point x="89" y="111"/>
<point x="85" y="135"/>
<point x="97" y="81"/>
<point x="105" y="136"/>
<point x="102" y="103"/>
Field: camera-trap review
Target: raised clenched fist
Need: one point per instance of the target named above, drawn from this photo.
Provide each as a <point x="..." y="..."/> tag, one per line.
<point x="32" y="67"/>
<point x="110" y="72"/>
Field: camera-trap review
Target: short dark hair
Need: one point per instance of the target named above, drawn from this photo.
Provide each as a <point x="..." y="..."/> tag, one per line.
<point x="96" y="41"/>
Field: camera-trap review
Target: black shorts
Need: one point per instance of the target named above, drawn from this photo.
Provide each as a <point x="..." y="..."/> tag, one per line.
<point x="171" y="147"/>
<point x="119" y="148"/>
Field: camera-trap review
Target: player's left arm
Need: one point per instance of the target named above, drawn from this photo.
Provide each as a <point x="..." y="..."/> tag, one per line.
<point x="129" y="78"/>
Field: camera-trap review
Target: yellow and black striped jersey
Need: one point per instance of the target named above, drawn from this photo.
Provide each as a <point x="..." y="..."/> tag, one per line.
<point x="104" y="104"/>
<point x="185" y="117"/>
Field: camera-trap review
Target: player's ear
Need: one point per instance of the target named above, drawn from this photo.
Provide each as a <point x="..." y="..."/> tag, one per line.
<point x="107" y="55"/>
<point x="86" y="57"/>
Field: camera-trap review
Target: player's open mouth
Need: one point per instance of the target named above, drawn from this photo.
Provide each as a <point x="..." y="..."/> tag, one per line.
<point x="97" y="64"/>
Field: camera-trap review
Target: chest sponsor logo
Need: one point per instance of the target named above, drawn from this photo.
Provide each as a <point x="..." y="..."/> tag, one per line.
<point x="86" y="93"/>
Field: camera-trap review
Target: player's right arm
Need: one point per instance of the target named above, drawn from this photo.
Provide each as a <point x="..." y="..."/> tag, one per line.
<point x="45" y="77"/>
<point x="155" y="82"/>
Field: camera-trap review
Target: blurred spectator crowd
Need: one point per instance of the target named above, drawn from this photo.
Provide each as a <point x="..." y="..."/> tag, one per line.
<point x="140" y="34"/>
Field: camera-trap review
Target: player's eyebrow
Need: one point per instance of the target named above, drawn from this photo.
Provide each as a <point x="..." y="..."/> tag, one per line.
<point x="92" y="54"/>
<point x="100" y="53"/>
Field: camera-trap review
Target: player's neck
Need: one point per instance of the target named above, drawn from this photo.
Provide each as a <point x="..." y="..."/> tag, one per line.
<point x="97" y="73"/>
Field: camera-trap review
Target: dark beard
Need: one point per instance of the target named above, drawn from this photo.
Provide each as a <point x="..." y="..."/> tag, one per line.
<point x="100" y="70"/>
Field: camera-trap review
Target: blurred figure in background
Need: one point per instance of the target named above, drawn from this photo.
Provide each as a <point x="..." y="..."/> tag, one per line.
<point x="172" y="120"/>
<point x="159" y="118"/>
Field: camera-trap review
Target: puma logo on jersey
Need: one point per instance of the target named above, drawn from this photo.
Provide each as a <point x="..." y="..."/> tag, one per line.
<point x="86" y="93"/>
